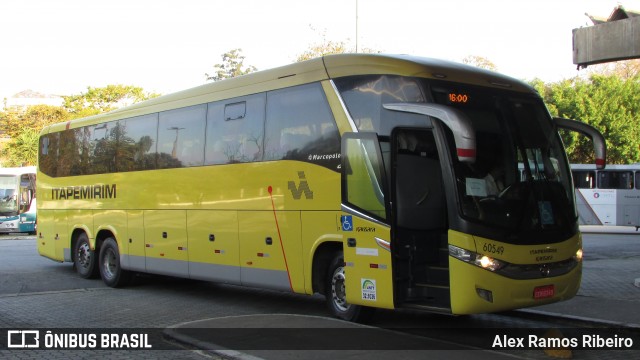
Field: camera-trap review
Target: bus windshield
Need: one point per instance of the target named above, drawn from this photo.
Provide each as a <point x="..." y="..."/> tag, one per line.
<point x="520" y="181"/>
<point x="8" y="195"/>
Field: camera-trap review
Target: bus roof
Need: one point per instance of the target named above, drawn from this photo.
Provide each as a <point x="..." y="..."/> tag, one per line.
<point x="323" y="68"/>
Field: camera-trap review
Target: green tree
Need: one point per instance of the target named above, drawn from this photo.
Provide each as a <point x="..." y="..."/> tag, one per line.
<point x="232" y="65"/>
<point x="608" y="102"/>
<point x="329" y="47"/>
<point x="326" y="47"/>
<point x="35" y="117"/>
<point x="110" y="97"/>
<point x="22" y="150"/>
<point x="627" y="69"/>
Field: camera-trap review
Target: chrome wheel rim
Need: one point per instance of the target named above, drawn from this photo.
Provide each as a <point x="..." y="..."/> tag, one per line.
<point x="109" y="264"/>
<point x="338" y="293"/>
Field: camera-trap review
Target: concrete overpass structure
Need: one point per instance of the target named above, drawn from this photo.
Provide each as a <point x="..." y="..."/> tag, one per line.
<point x="612" y="39"/>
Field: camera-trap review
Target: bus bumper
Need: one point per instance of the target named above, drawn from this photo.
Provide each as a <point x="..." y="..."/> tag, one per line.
<point x="9" y="226"/>
<point x="476" y="290"/>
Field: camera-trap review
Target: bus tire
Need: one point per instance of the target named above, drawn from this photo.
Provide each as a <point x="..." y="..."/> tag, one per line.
<point x="335" y="294"/>
<point x="111" y="272"/>
<point x="84" y="259"/>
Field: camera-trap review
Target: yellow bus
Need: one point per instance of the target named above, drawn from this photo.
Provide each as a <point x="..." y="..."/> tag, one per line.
<point x="379" y="181"/>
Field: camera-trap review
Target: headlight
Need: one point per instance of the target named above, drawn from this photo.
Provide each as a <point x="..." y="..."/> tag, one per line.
<point x="476" y="259"/>
<point x="578" y="255"/>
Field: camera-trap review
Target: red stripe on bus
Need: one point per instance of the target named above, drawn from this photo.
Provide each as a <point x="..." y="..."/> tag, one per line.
<point x="284" y="255"/>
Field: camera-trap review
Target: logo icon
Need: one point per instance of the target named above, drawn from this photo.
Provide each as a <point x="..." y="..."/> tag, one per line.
<point x="22" y="339"/>
<point x="347" y="222"/>
<point x="303" y="188"/>
<point x="368" y="289"/>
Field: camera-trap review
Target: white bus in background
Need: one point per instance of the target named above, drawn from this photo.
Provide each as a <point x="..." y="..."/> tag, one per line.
<point x="18" y="200"/>
<point x="608" y="197"/>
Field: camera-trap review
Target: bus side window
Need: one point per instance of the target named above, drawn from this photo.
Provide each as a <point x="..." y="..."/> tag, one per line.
<point x="235" y="130"/>
<point x="615" y="180"/>
<point x="584" y="179"/>
<point x="181" y="137"/>
<point x="300" y="126"/>
<point x="137" y="143"/>
<point x="48" y="161"/>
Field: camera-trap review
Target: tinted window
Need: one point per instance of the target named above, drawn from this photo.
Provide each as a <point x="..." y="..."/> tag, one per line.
<point x="48" y="160"/>
<point x="365" y="95"/>
<point x="615" y="179"/>
<point x="584" y="179"/>
<point x="137" y="143"/>
<point x="181" y="137"/>
<point x="235" y="130"/>
<point x="300" y="126"/>
<point x="102" y="142"/>
<point x="69" y="152"/>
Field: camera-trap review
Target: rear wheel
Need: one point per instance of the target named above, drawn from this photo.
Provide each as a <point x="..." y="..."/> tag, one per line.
<point x="336" y="297"/>
<point x="84" y="259"/>
<point x="110" y="270"/>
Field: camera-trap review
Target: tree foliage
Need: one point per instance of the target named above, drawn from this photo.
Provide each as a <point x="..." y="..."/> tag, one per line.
<point x="329" y="47"/>
<point x="98" y="100"/>
<point x="22" y="150"/>
<point x="479" y="61"/>
<point x="232" y="65"/>
<point x="22" y="127"/>
<point x="608" y="102"/>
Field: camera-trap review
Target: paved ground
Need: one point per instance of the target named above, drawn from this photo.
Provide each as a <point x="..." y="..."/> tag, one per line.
<point x="607" y="298"/>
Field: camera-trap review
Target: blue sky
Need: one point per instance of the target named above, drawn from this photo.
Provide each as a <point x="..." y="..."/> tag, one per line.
<point x="63" y="46"/>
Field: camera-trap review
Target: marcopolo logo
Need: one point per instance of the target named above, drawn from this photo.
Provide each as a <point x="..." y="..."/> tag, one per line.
<point x="302" y="189"/>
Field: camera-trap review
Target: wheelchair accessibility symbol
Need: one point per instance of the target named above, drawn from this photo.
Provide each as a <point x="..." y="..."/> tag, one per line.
<point x="347" y="222"/>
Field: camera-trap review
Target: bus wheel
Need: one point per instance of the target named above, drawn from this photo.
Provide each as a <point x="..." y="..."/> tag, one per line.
<point x="84" y="259"/>
<point x="336" y="297"/>
<point x="110" y="270"/>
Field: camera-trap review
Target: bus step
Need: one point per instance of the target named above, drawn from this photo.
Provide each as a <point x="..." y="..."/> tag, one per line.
<point x="427" y="307"/>
<point x="437" y="275"/>
<point x="429" y="295"/>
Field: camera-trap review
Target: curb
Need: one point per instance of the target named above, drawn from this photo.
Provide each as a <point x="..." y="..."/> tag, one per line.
<point x="528" y="313"/>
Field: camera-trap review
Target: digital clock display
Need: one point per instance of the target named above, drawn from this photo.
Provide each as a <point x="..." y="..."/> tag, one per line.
<point x="458" y="98"/>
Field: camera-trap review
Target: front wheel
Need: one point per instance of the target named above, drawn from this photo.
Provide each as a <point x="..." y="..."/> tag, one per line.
<point x="336" y="296"/>
<point x="110" y="270"/>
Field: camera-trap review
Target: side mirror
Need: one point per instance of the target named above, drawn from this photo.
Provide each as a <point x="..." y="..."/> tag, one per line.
<point x="599" y="144"/>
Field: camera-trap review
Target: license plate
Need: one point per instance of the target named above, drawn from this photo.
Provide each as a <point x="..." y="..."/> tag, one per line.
<point x="543" y="292"/>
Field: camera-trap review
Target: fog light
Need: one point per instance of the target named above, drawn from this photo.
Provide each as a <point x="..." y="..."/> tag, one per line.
<point x="485" y="294"/>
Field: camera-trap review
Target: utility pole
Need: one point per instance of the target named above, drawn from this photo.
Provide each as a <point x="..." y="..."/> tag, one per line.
<point x="357" y="49"/>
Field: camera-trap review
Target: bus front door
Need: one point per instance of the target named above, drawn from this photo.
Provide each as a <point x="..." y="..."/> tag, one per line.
<point x="368" y="273"/>
<point x="420" y="222"/>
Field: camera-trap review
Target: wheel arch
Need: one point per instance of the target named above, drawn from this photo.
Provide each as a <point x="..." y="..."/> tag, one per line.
<point x="104" y="234"/>
<point x="75" y="234"/>
<point x="322" y="257"/>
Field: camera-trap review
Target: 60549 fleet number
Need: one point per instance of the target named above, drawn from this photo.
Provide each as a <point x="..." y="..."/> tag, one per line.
<point x="492" y="248"/>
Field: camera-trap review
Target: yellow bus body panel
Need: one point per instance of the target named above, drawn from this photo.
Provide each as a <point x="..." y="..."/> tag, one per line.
<point x="508" y="293"/>
<point x="368" y="267"/>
